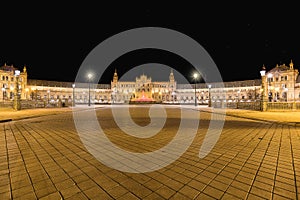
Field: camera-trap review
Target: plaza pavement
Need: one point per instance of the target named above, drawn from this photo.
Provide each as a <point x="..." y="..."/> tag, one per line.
<point x="256" y="157"/>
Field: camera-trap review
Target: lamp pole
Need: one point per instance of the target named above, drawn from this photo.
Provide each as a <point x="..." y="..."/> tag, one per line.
<point x="294" y="81"/>
<point x="3" y="91"/>
<point x="209" y="96"/>
<point x="73" y="86"/>
<point x="195" y="75"/>
<point x="263" y="89"/>
<point x="89" y="77"/>
<point x="48" y="91"/>
<point x="269" y="87"/>
<point x="238" y="100"/>
<point x="17" y="103"/>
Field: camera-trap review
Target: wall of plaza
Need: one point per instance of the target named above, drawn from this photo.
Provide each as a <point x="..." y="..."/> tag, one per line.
<point x="248" y="90"/>
<point x="282" y="85"/>
<point x="54" y="91"/>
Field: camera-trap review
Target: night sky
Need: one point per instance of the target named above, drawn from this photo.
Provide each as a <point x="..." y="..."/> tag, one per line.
<point x="52" y="40"/>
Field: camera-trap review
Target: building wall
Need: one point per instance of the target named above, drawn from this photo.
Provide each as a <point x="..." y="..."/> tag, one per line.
<point x="282" y="85"/>
<point x="53" y="92"/>
<point x="8" y="82"/>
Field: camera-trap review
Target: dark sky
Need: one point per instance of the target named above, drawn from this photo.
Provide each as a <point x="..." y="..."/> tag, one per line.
<point x="54" y="39"/>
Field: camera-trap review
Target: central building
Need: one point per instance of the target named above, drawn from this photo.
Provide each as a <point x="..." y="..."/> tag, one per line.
<point x="143" y="90"/>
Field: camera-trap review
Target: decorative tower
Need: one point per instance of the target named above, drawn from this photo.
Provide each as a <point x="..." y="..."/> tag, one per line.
<point x="171" y="77"/>
<point x="172" y="85"/>
<point x="172" y="80"/>
<point x="114" y="87"/>
<point x="291" y="65"/>
<point x="23" y="83"/>
<point x="115" y="80"/>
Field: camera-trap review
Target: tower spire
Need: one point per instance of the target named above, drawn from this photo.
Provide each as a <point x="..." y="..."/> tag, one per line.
<point x="291" y="64"/>
<point x="115" y="78"/>
<point x="171" y="77"/>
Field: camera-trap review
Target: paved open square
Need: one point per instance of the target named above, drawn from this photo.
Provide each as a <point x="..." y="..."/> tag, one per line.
<point x="43" y="157"/>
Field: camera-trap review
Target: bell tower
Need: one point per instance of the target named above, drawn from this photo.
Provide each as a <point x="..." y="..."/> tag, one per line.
<point x="172" y="82"/>
<point x="171" y="77"/>
<point x="291" y="65"/>
<point x="115" y="80"/>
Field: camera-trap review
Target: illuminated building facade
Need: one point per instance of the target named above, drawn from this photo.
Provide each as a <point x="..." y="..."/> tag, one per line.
<point x="283" y="85"/>
<point x="8" y="82"/>
<point x="143" y="90"/>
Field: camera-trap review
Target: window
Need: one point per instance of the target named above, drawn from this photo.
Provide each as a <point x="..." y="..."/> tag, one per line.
<point x="284" y="78"/>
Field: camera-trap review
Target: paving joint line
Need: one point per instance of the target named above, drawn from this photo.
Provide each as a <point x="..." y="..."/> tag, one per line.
<point x="252" y="118"/>
<point x="36" y="116"/>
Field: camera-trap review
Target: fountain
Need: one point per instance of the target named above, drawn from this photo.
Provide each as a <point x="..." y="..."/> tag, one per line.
<point x="143" y="99"/>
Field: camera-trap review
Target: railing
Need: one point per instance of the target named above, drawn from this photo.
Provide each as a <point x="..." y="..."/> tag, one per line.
<point x="273" y="106"/>
<point x="256" y="105"/>
<point x="28" y="104"/>
<point x="6" y="104"/>
<point x="238" y="105"/>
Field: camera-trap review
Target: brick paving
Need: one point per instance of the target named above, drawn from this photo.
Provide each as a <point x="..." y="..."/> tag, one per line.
<point x="44" y="158"/>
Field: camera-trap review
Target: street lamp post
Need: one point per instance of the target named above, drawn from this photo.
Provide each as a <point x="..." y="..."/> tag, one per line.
<point x="294" y="81"/>
<point x="269" y="87"/>
<point x="263" y="89"/>
<point x="3" y="91"/>
<point x="209" y="96"/>
<point x="48" y="100"/>
<point x="73" y="86"/>
<point x="238" y="100"/>
<point x="89" y="77"/>
<point x="195" y="75"/>
<point x="17" y="103"/>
